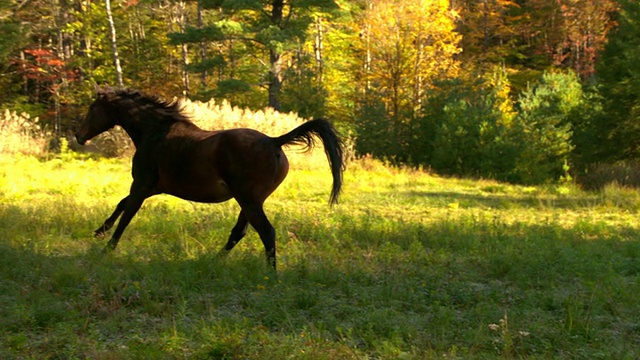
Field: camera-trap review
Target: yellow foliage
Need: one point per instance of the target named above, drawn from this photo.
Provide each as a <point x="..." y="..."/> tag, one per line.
<point x="409" y="44"/>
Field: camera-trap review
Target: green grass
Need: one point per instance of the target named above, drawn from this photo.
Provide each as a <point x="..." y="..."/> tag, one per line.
<point x="408" y="266"/>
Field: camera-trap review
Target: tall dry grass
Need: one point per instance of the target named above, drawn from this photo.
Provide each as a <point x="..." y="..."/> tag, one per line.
<point x="212" y="115"/>
<point x="21" y="134"/>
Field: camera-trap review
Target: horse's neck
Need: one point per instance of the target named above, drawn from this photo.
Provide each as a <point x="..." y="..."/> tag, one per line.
<point x="142" y="125"/>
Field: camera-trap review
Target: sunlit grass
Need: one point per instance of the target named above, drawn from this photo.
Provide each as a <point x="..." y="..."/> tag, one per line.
<point x="408" y="265"/>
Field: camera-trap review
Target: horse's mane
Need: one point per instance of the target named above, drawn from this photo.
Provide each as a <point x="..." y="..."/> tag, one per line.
<point x="135" y="100"/>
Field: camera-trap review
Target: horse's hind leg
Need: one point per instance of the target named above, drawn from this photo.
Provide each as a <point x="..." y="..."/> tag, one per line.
<point x="237" y="233"/>
<point x="108" y="224"/>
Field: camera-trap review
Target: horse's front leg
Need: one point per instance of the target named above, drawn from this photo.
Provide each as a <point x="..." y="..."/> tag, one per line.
<point x="130" y="206"/>
<point x="108" y="224"/>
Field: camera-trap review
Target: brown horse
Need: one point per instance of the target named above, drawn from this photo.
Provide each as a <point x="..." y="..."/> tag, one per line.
<point x="174" y="156"/>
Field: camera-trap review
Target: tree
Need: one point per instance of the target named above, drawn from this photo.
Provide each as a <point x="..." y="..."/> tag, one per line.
<point x="269" y="33"/>
<point x="467" y="128"/>
<point x="618" y="132"/>
<point x="472" y="128"/>
<point x="543" y="127"/>
<point x="586" y="24"/>
<point x="569" y="33"/>
<point x="406" y="46"/>
<point x="489" y="31"/>
<point x="114" y="44"/>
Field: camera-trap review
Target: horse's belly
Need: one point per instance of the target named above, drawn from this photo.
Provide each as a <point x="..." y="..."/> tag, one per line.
<point x="208" y="193"/>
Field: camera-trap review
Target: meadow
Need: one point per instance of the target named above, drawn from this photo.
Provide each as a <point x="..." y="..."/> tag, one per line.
<point x="409" y="265"/>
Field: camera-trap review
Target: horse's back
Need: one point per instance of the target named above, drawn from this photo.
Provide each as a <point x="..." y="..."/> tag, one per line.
<point x="215" y="166"/>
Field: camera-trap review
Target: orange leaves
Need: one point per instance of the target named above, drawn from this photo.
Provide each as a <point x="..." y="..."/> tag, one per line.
<point x="42" y="65"/>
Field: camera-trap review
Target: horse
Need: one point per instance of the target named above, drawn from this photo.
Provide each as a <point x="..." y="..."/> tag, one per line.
<point x="174" y="156"/>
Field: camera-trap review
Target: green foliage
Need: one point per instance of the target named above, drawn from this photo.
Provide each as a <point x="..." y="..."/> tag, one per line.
<point x="543" y="127"/>
<point x="303" y="94"/>
<point x="252" y="29"/>
<point x="469" y="127"/>
<point x="588" y="136"/>
<point x="12" y="36"/>
<point x="374" y="133"/>
<point x="376" y="68"/>
<point x="617" y="131"/>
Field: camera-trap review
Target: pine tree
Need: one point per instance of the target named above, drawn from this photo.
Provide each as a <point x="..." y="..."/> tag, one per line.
<point x="618" y="131"/>
<point x="269" y="31"/>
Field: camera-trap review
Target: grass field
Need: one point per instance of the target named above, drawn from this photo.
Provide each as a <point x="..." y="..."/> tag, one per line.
<point x="408" y="266"/>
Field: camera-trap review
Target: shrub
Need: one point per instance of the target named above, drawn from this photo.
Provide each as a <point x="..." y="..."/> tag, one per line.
<point x="213" y="115"/>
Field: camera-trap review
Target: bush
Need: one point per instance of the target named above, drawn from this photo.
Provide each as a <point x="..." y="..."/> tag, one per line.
<point x="472" y="128"/>
<point x="212" y="115"/>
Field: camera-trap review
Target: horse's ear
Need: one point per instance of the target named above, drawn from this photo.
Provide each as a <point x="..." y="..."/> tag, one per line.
<point x="97" y="88"/>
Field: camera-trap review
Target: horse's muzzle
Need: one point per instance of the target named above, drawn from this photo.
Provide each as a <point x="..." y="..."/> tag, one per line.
<point x="81" y="139"/>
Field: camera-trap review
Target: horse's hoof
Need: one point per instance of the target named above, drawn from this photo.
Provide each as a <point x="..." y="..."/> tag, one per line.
<point x="108" y="249"/>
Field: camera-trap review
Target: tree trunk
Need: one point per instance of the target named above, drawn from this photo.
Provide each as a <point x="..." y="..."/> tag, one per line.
<point x="318" y="49"/>
<point x="182" y="22"/>
<point x="275" y="81"/>
<point x="203" y="47"/>
<point x="114" y="45"/>
<point x="275" y="59"/>
<point x="63" y="52"/>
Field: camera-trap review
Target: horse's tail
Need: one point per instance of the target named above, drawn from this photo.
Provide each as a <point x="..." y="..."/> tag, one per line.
<point x="333" y="147"/>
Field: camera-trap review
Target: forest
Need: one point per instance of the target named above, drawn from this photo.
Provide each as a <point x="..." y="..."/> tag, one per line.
<point x="523" y="91"/>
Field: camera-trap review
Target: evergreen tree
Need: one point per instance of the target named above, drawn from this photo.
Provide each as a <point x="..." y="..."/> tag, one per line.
<point x="617" y="133"/>
<point x="269" y="33"/>
<point x="467" y="128"/>
<point x="543" y="127"/>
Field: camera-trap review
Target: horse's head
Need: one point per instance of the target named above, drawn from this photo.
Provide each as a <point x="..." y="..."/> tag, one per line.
<point x="99" y="119"/>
